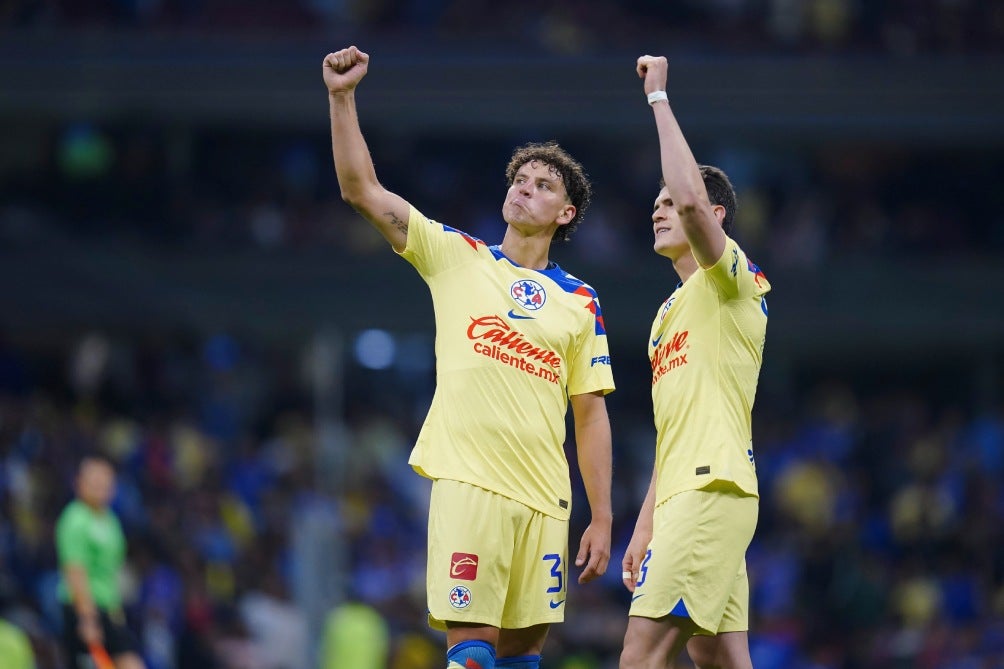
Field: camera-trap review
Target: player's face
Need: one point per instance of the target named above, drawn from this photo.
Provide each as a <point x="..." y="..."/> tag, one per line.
<point x="537" y="199"/>
<point x="670" y="240"/>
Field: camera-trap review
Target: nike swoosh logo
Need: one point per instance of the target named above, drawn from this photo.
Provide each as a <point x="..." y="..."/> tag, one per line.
<point x="655" y="342"/>
<point x="637" y="596"/>
<point x="513" y="314"/>
<point x="555" y="604"/>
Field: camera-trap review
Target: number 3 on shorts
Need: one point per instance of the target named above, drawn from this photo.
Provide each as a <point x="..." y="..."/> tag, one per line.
<point x="644" y="567"/>
<point x="555" y="571"/>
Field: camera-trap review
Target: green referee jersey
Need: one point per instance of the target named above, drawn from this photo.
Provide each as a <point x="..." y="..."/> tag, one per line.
<point x="95" y="542"/>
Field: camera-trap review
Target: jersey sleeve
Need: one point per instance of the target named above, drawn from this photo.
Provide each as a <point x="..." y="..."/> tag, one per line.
<point x="590" y="369"/>
<point x="71" y="538"/>
<point x="433" y="247"/>
<point x="735" y="275"/>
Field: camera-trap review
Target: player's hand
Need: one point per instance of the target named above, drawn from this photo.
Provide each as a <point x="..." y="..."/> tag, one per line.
<point x="654" y="70"/>
<point x="633" y="557"/>
<point x="594" y="551"/>
<point x="343" y="70"/>
<point x="89" y="630"/>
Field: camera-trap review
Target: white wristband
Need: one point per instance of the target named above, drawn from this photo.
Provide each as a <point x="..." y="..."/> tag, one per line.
<point x="656" y="96"/>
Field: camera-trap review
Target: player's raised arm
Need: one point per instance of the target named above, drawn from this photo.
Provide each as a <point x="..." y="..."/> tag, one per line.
<point x="701" y="221"/>
<point x="343" y="70"/>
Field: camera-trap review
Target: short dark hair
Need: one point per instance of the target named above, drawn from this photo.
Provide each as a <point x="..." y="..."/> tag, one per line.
<point x="95" y="457"/>
<point x="573" y="177"/>
<point x="720" y="192"/>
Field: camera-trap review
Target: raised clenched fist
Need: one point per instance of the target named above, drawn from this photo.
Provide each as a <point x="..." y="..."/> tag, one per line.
<point x="343" y="70"/>
<point x="653" y="69"/>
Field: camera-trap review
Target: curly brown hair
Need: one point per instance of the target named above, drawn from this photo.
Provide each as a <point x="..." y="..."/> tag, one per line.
<point x="573" y="177"/>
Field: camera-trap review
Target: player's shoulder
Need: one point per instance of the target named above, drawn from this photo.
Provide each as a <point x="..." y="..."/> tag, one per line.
<point x="460" y="236"/>
<point x="735" y="266"/>
<point x="73" y="513"/>
<point x="569" y="282"/>
<point x="423" y="225"/>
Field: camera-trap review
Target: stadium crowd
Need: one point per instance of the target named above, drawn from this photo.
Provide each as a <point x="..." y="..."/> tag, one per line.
<point x="903" y="28"/>
<point x="213" y="189"/>
<point x="880" y="538"/>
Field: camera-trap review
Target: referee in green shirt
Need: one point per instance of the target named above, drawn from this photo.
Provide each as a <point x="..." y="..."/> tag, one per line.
<point x="91" y="548"/>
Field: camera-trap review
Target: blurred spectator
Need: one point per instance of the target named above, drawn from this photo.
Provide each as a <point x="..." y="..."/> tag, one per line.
<point x="356" y="635"/>
<point x="15" y="649"/>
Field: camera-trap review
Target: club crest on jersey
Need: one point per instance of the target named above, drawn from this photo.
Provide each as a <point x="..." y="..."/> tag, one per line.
<point x="528" y="293"/>
<point x="460" y="597"/>
<point x="665" y="308"/>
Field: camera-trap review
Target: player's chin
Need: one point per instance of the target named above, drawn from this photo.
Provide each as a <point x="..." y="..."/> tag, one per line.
<point x="669" y="248"/>
<point x="513" y="215"/>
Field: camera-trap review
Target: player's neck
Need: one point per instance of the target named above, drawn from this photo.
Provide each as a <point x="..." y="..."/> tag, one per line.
<point x="96" y="507"/>
<point x="526" y="251"/>
<point x="685" y="266"/>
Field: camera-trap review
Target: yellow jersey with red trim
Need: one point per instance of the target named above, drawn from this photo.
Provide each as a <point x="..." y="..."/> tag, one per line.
<point x="512" y="344"/>
<point x="706" y="348"/>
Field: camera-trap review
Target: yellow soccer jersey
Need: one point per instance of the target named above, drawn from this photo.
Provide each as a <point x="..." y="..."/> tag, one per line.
<point x="705" y="348"/>
<point x="511" y="345"/>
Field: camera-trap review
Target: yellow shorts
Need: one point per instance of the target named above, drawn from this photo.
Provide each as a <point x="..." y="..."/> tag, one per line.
<point x="493" y="561"/>
<point x="695" y="566"/>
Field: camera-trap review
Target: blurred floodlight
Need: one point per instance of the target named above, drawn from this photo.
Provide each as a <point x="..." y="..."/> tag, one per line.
<point x="375" y="349"/>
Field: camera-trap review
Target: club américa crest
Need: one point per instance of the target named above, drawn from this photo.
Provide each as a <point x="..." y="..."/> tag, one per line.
<point x="460" y="597"/>
<point x="528" y="293"/>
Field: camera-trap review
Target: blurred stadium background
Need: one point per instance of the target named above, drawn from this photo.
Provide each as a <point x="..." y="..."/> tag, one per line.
<point x="182" y="288"/>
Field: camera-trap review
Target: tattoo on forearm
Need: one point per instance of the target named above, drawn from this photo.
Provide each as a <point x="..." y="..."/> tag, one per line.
<point x="397" y="222"/>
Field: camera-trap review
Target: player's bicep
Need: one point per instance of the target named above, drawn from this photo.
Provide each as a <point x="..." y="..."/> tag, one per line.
<point x="704" y="233"/>
<point x="588" y="408"/>
<point x="388" y="212"/>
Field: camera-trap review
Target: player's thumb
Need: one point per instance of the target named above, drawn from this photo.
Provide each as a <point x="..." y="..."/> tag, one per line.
<point x="580" y="559"/>
<point x="362" y="57"/>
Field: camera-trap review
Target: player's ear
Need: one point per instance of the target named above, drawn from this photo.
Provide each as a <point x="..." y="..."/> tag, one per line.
<point x="566" y="215"/>
<point x="719" y="212"/>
